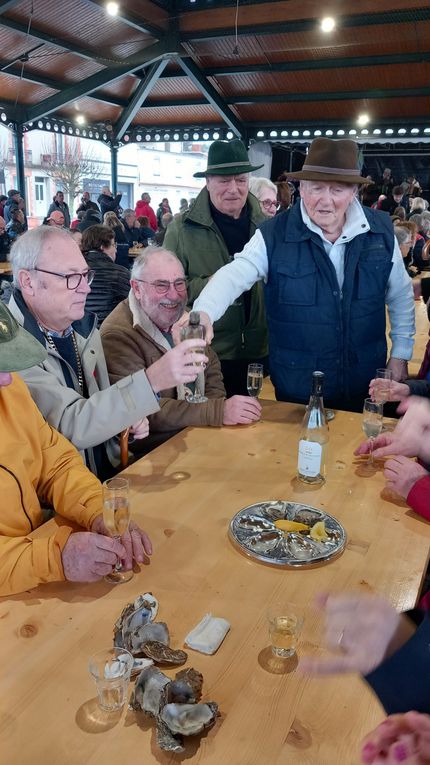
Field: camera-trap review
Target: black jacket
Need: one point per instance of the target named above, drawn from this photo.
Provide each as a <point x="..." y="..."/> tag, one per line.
<point x="111" y="284"/>
<point x="84" y="206"/>
<point x="109" y="204"/>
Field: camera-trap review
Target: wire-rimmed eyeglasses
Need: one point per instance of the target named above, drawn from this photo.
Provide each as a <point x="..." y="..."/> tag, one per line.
<point x="268" y="203"/>
<point x="72" y="280"/>
<point x="161" y="286"/>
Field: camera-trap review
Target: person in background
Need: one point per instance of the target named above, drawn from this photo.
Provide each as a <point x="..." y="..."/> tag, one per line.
<point x="267" y="195"/>
<point x="132" y="230"/>
<point x="146" y="231"/>
<point x="55" y="219"/>
<point x="183" y="205"/>
<point x="220" y="222"/>
<point x="138" y="331"/>
<point x="86" y="203"/>
<point x="395" y="199"/>
<point x="163" y="208"/>
<point x="418" y="206"/>
<point x="390" y="649"/>
<point x="3" y="200"/>
<point x="330" y="266"/>
<point x="71" y="387"/>
<point x="109" y="203"/>
<point x="143" y="207"/>
<point x="161" y="232"/>
<point x="5" y="242"/>
<point x="111" y="220"/>
<point x="386" y="183"/>
<point x="399" y="212"/>
<point x="77" y="237"/>
<point x="58" y="203"/>
<point x="39" y="468"/>
<point x="91" y="218"/>
<point x="16" y="225"/>
<point x="13" y="197"/>
<point x="111" y="282"/>
<point x="404" y="238"/>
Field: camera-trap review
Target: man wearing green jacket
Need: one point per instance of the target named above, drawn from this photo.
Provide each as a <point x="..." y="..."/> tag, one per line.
<point x="221" y="221"/>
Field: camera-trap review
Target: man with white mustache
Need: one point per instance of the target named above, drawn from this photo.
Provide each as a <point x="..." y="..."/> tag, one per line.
<point x="138" y="332"/>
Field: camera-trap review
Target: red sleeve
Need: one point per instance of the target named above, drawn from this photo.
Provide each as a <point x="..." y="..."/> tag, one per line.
<point x="419" y="497"/>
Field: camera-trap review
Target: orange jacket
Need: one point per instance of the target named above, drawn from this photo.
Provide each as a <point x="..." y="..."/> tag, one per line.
<point x="38" y="466"/>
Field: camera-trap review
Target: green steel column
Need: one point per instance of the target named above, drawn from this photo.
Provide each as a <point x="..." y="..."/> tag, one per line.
<point x="18" y="136"/>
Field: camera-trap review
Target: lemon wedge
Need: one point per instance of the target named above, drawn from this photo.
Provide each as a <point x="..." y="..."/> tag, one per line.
<point x="285" y="525"/>
<point x="318" y="532"/>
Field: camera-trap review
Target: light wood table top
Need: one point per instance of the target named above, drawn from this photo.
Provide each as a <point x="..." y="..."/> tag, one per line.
<point x="185" y="494"/>
<point x="5" y="268"/>
<point x="135" y="251"/>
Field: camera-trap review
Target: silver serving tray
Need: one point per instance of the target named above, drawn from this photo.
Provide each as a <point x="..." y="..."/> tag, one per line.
<point x="254" y="531"/>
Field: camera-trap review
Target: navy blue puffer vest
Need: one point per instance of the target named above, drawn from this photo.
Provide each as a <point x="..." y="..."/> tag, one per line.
<point x="312" y="324"/>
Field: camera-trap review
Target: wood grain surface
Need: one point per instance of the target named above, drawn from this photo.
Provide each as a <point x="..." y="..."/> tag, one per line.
<point x="185" y="494"/>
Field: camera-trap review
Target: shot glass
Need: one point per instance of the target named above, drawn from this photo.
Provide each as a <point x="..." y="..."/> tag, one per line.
<point x="285" y="624"/>
<point x="111" y="670"/>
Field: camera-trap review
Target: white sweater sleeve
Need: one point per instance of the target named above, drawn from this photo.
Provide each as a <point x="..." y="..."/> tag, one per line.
<point x="230" y="281"/>
<point x="401" y="309"/>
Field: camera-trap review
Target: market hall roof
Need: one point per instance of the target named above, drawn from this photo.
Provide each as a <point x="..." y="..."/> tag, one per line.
<point x="205" y="65"/>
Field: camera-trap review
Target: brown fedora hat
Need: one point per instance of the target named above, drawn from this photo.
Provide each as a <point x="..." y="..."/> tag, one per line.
<point x="330" y="160"/>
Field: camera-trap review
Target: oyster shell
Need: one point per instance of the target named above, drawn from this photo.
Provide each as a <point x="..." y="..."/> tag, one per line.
<point x="299" y="546"/>
<point x="148" y="694"/>
<point x="165" y="738"/>
<point x="264" y="542"/>
<point x="255" y="523"/>
<point x="150" y="631"/>
<point x="143" y="610"/>
<point x="162" y="654"/>
<point x="193" y="678"/>
<point x="189" y="719"/>
<point x="274" y="510"/>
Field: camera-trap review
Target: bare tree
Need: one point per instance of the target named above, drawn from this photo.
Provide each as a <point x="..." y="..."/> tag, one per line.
<point x="70" y="166"/>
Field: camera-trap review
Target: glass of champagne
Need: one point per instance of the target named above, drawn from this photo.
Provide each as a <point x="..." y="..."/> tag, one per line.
<point x="382" y="391"/>
<point x="254" y="380"/>
<point x="116" y="517"/>
<point x="372" y="422"/>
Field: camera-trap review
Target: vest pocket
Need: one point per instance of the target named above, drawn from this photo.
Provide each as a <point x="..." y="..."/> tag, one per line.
<point x="374" y="269"/>
<point x="297" y="285"/>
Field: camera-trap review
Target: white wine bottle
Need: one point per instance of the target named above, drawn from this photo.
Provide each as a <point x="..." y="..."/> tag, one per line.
<point x="314" y="436"/>
<point x="194" y="330"/>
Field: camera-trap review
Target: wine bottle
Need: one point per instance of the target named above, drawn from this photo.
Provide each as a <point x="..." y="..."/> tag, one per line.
<point x="314" y="436"/>
<point x="194" y="330"/>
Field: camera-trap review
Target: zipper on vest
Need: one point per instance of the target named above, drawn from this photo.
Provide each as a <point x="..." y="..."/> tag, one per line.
<point x="243" y="340"/>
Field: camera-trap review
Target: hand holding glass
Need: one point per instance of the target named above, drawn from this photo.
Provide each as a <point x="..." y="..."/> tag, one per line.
<point x="116" y="517"/>
<point x="372" y="422"/>
<point x="254" y="380"/>
<point x="382" y="385"/>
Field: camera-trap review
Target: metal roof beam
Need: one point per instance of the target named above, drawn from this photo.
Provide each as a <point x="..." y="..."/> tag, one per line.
<point x="305" y="25"/>
<point x="212" y="96"/>
<point x="139" y="96"/>
<point x="140" y="24"/>
<point x="87" y="87"/>
<point x="7" y="5"/>
<point x="315" y="64"/>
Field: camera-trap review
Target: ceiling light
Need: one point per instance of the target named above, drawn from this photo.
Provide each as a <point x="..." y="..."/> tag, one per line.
<point x="229" y="135"/>
<point x="138" y="137"/>
<point x="306" y="133"/>
<point x="328" y="24"/>
<point x="205" y="136"/>
<point x="317" y="132"/>
<point x="273" y="134"/>
<point x="341" y="132"/>
<point x="284" y="133"/>
<point x="166" y="136"/>
<point x="329" y="132"/>
<point x="401" y="131"/>
<point x="295" y="133"/>
<point x="415" y="130"/>
<point x="186" y="136"/>
<point x="147" y="137"/>
<point x="426" y="130"/>
<point x="260" y="134"/>
<point x="112" y="8"/>
<point x="353" y="132"/>
<point x="377" y="131"/>
<point x="363" y="120"/>
<point x="196" y="136"/>
<point x="176" y="136"/>
<point x="365" y="131"/>
<point x="389" y="131"/>
<point x="80" y="119"/>
<point x="215" y="135"/>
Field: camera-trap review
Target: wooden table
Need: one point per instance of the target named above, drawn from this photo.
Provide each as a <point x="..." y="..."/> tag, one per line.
<point x="5" y="269"/>
<point x="185" y="494"/>
<point x="135" y="251"/>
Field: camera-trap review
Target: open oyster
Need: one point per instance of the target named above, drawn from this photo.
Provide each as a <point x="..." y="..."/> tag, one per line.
<point x="150" y="631"/>
<point x="162" y="654"/>
<point x="264" y="542"/>
<point x="173" y="704"/>
<point x="141" y="611"/>
<point x="255" y="523"/>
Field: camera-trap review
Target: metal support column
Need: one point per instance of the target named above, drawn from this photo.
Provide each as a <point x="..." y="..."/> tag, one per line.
<point x="18" y="137"/>
<point x="114" y="166"/>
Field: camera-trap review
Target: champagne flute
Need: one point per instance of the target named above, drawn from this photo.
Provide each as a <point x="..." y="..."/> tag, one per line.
<point x="372" y="422"/>
<point x="116" y="518"/>
<point x="383" y="388"/>
<point x="254" y="379"/>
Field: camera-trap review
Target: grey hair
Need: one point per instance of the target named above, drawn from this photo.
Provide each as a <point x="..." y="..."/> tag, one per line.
<point x="142" y="260"/>
<point x="418" y="202"/>
<point x="128" y="212"/>
<point x="403" y="235"/>
<point x="256" y="186"/>
<point x="27" y="249"/>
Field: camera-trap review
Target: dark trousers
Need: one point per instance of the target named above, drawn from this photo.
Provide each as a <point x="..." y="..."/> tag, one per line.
<point x="234" y="373"/>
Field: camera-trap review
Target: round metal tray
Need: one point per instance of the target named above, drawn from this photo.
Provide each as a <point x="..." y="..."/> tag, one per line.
<point x="254" y="531"/>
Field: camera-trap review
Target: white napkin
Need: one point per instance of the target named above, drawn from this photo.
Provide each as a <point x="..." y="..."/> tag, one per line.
<point x="208" y="634"/>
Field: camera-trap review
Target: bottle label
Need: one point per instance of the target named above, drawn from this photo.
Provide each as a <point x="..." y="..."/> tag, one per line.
<point x="309" y="462"/>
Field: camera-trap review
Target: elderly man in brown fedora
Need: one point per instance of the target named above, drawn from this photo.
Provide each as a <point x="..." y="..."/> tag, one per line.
<point x="330" y="267"/>
<point x="222" y="219"/>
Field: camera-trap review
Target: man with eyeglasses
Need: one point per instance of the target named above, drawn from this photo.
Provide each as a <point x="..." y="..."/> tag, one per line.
<point x="138" y="331"/>
<point x="4" y="241"/>
<point x="222" y="219"/>
<point x="71" y="387"/>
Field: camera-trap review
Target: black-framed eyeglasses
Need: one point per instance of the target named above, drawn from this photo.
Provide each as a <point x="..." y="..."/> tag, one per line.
<point x="72" y="280"/>
<point x="161" y="286"/>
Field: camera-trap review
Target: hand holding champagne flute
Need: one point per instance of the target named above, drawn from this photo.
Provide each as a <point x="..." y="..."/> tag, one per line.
<point x="116" y="518"/>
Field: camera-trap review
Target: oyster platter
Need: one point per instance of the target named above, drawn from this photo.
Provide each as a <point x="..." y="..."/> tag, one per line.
<point x="284" y="533"/>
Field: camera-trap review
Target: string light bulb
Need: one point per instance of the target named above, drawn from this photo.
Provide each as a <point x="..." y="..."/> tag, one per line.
<point x="328" y="24"/>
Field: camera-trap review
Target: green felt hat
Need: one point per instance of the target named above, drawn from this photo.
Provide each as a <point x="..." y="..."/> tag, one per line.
<point x="18" y="349"/>
<point x="227" y="158"/>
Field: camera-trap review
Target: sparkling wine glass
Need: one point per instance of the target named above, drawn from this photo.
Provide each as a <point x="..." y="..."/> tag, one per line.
<point x="116" y="517"/>
<point x="254" y="379"/>
<point x="382" y="389"/>
<point x="372" y="422"/>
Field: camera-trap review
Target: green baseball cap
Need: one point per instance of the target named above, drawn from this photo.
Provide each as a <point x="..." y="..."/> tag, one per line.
<point x="18" y="349"/>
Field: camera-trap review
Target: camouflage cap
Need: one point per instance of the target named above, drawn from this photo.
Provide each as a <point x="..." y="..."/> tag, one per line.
<point x="18" y="349"/>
